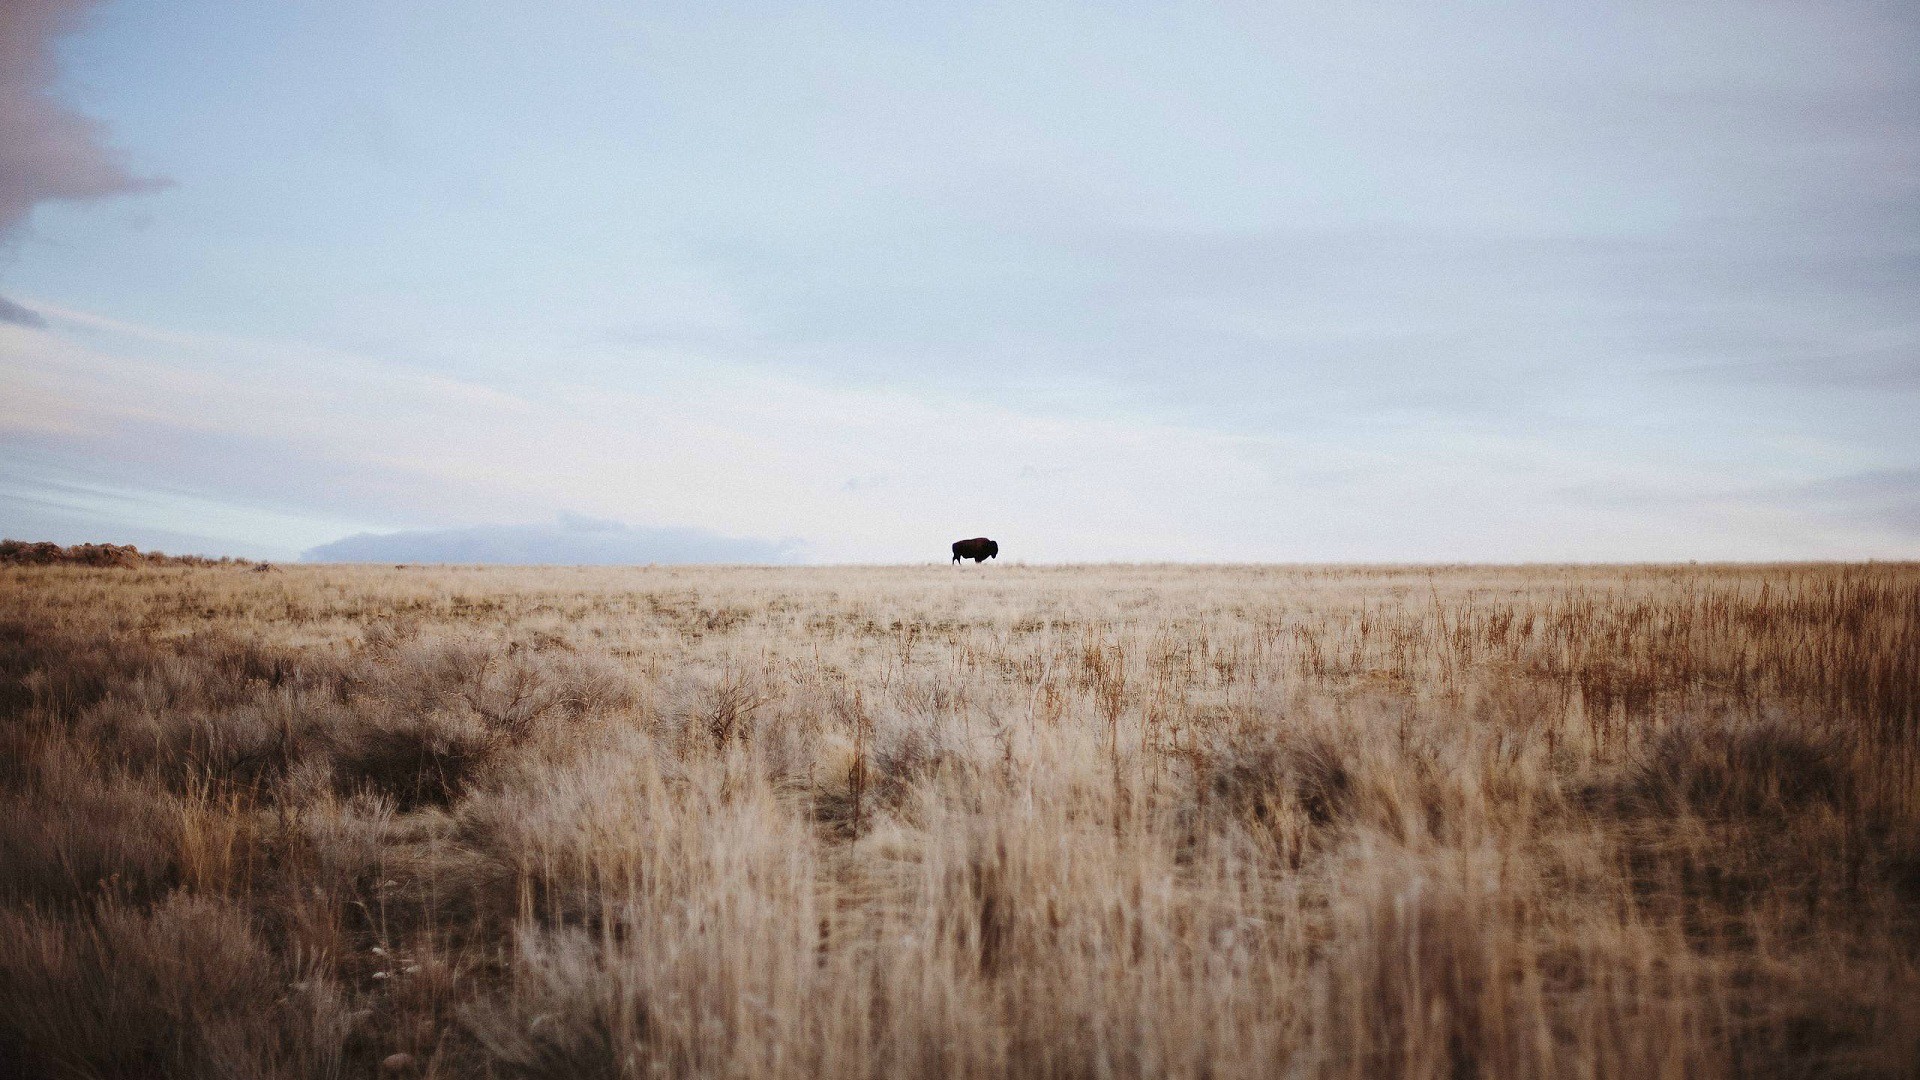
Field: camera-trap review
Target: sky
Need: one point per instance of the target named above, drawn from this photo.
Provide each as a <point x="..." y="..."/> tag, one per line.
<point x="844" y="282"/>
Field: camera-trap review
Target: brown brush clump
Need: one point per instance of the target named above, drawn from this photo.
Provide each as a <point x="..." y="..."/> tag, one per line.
<point x="42" y="553"/>
<point x="1079" y="822"/>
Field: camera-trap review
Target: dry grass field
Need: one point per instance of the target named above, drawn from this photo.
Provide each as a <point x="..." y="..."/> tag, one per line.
<point x="993" y="821"/>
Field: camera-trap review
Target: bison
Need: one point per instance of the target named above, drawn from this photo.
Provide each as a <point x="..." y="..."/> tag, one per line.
<point x="979" y="549"/>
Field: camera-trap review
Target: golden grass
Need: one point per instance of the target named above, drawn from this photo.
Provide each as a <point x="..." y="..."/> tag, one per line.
<point x="1080" y="822"/>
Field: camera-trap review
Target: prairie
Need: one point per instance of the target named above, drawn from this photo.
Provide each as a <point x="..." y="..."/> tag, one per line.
<point x="1121" y="821"/>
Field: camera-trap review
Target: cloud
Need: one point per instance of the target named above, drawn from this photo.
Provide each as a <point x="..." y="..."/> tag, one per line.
<point x="572" y="540"/>
<point x="47" y="150"/>
<point x="42" y="500"/>
<point x="297" y="446"/>
<point x="1205" y="282"/>
<point x="1885" y="500"/>
<point x="1874" y="371"/>
<point x="25" y="520"/>
<point x="11" y="312"/>
<point x="1890" y="497"/>
<point x="1270" y="218"/>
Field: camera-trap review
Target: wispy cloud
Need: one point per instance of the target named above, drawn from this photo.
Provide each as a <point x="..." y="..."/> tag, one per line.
<point x="41" y="499"/>
<point x="11" y="312"/>
<point x="733" y="450"/>
<point x="47" y="150"/>
<point x="707" y="451"/>
<point x="1888" y="496"/>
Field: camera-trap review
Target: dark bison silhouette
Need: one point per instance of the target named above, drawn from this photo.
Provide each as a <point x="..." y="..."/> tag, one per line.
<point x="979" y="549"/>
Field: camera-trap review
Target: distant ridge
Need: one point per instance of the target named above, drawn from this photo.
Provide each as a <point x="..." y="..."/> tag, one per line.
<point x="571" y="540"/>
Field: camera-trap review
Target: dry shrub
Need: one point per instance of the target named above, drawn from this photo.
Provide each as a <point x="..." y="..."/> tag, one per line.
<point x="42" y="553"/>
<point x="1753" y="770"/>
<point x="1051" y="946"/>
<point x="732" y="704"/>
<point x="182" y="989"/>
<point x="581" y="837"/>
<point x="234" y="713"/>
<point x="699" y="916"/>
<point x="700" y="713"/>
<point x="1444" y="969"/>
<point x="347" y="843"/>
<point x="1309" y="784"/>
<point x="1272" y="776"/>
<point x="75" y="829"/>
<point x="572" y="1016"/>
<point x="907" y="757"/>
<point x="422" y="760"/>
<point x="512" y="690"/>
<point x="50" y="669"/>
<point x="434" y="717"/>
<point x="248" y="746"/>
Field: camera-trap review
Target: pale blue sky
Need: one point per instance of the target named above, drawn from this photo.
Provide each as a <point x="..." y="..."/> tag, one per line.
<point x="1187" y="281"/>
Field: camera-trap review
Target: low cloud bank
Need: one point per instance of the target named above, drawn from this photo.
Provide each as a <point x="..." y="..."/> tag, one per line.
<point x="569" y="541"/>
